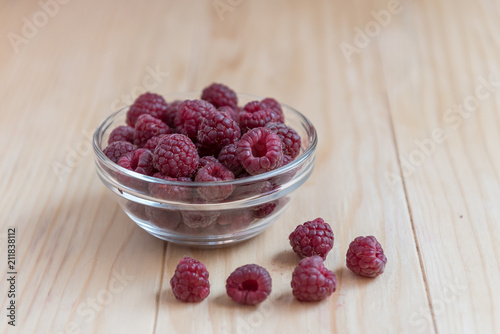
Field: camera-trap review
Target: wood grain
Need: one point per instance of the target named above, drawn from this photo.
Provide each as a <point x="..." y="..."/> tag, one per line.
<point x="84" y="267"/>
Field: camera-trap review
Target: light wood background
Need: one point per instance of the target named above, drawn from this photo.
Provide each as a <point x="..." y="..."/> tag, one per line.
<point x="395" y="160"/>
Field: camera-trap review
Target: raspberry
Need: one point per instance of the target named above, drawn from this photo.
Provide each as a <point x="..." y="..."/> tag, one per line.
<point x="176" y="156"/>
<point x="139" y="161"/>
<point x="264" y="210"/>
<point x="147" y="127"/>
<point x="170" y="113"/>
<point x="190" y="281"/>
<point x="235" y="220"/>
<point x="256" y="114"/>
<point x="148" y="103"/>
<point x="137" y="210"/>
<point x="218" y="130"/>
<point x="289" y="137"/>
<point x="311" y="281"/>
<point x="153" y="142"/>
<point x="166" y="219"/>
<point x="259" y="151"/>
<point x="122" y="133"/>
<point x="227" y="156"/>
<point x="271" y="103"/>
<point x="205" y="160"/>
<point x="249" y="284"/>
<point x="228" y="111"/>
<point x="312" y="238"/>
<point x="169" y="191"/>
<point x="190" y="113"/>
<point x="199" y="219"/>
<point x="212" y="172"/>
<point x="220" y="95"/>
<point x="117" y="149"/>
<point x="365" y="257"/>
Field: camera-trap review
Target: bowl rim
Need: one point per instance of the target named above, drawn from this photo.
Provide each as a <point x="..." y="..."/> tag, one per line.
<point x="302" y="157"/>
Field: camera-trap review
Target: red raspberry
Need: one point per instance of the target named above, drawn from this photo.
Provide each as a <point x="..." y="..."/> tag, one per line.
<point x="169" y="191"/>
<point x="136" y="209"/>
<point x="259" y="151"/>
<point x="122" y="133"/>
<point x="271" y="103"/>
<point x="249" y="284"/>
<point x="311" y="281"/>
<point x="147" y="127"/>
<point x="218" y="130"/>
<point x="212" y="172"/>
<point x="190" y="281"/>
<point x="289" y="137"/>
<point x="165" y="219"/>
<point x="199" y="219"/>
<point x="205" y="160"/>
<point x="190" y="113"/>
<point x="139" y="161"/>
<point x="264" y="210"/>
<point x="170" y="113"/>
<point x="117" y="149"/>
<point x="153" y="142"/>
<point x="220" y="95"/>
<point x="176" y="156"/>
<point x="312" y="238"/>
<point x="227" y="156"/>
<point x="255" y="114"/>
<point x="148" y="103"/>
<point x="365" y="257"/>
<point x="228" y="111"/>
<point x="237" y="219"/>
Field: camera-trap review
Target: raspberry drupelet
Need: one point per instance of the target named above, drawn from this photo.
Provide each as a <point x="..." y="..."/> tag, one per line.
<point x="176" y="156"/>
<point x="147" y="103"/>
<point x="259" y="151"/>
<point x="365" y="257"/>
<point x="312" y="238"/>
<point x="190" y="281"/>
<point x="249" y="285"/>
<point x="311" y="281"/>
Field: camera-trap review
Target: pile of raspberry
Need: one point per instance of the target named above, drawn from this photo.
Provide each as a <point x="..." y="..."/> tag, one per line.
<point x="204" y="140"/>
<point x="311" y="281"/>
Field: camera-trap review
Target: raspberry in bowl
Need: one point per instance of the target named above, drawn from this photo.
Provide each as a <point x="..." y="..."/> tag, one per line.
<point x="212" y="180"/>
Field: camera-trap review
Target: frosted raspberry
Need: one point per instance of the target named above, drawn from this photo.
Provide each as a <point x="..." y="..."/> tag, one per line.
<point x="213" y="172"/>
<point x="176" y="156"/>
<point x="117" y="149"/>
<point x="153" y="142"/>
<point x="255" y="114"/>
<point x="220" y="95"/>
<point x="139" y="161"/>
<point x="170" y="192"/>
<point x="312" y="238"/>
<point x="227" y="156"/>
<point x="147" y="127"/>
<point x="190" y="281"/>
<point x="190" y="113"/>
<point x="289" y="137"/>
<point x="148" y="103"/>
<point x="122" y="133"/>
<point x="259" y="151"/>
<point x="217" y="130"/>
<point x="311" y="281"/>
<point x="250" y="284"/>
<point x="365" y="257"/>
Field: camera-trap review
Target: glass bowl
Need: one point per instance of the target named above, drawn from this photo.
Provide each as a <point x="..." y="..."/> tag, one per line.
<point x="179" y="212"/>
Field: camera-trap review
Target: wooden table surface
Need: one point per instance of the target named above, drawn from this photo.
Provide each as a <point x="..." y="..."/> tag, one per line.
<point x="405" y="98"/>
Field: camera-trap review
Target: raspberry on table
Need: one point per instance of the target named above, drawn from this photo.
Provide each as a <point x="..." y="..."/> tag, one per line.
<point x="176" y="156"/>
<point x="147" y="103"/>
<point x="312" y="238"/>
<point x="249" y="284"/>
<point x="217" y="130"/>
<point x="311" y="281"/>
<point x="117" y="149"/>
<point x="228" y="111"/>
<point x="259" y="151"/>
<point x="189" y="115"/>
<point x="365" y="257"/>
<point x="153" y="142"/>
<point x="147" y="127"/>
<point x="213" y="172"/>
<point x="227" y="156"/>
<point x="170" y="113"/>
<point x="169" y="191"/>
<point x="220" y="95"/>
<point x="190" y="281"/>
<point x="289" y="137"/>
<point x="121" y="133"/>
<point x="139" y="161"/>
<point x="255" y="114"/>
